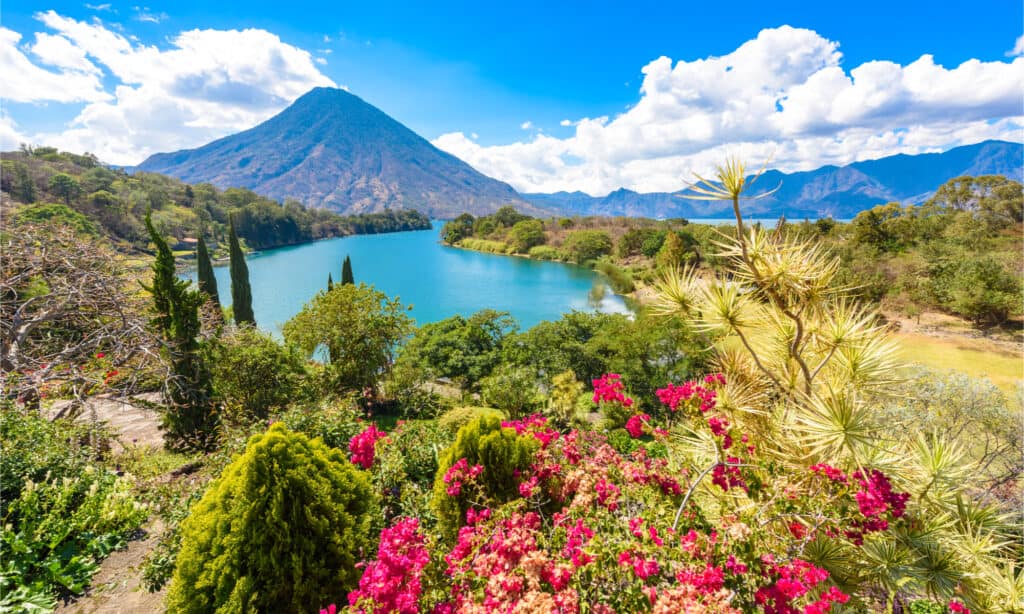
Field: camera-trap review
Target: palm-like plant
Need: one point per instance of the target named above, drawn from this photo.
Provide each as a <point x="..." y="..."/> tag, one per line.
<point x="800" y="354"/>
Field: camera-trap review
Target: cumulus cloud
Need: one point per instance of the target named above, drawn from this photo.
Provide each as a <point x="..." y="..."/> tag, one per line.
<point x="785" y="93"/>
<point x="203" y="85"/>
<point x="526" y="125"/>
<point x="76" y="79"/>
<point x="565" y="122"/>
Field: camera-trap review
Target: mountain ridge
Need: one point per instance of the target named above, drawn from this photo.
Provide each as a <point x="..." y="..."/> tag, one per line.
<point x="839" y="191"/>
<point x="334" y="150"/>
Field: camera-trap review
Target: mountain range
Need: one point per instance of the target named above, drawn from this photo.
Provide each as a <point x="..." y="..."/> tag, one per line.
<point x="332" y="149"/>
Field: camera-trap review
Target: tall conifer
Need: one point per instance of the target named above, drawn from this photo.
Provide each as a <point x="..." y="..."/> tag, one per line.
<point x="330" y="282"/>
<point x="241" y="292"/>
<point x="346" y="272"/>
<point x="207" y="281"/>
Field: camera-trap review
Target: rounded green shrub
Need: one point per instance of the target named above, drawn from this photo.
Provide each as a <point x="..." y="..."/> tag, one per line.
<point x="458" y="417"/>
<point x="279" y="531"/>
<point x="503" y="455"/>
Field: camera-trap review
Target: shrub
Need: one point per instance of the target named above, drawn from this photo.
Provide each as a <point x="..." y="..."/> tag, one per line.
<point x="544" y="252"/>
<point x="56" y="213"/>
<point x="406" y="466"/>
<point x="454" y="419"/>
<point x="280" y="531"/>
<point x="254" y="374"/>
<point x="526" y="235"/>
<point x="583" y="245"/>
<point x="486" y="245"/>
<point x="512" y="389"/>
<point x="620" y="280"/>
<point x="57" y="531"/>
<point x="335" y="423"/>
<point x="482" y="465"/>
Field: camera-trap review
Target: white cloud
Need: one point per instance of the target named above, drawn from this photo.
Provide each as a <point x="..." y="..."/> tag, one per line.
<point x="99" y="7"/>
<point x="526" y="125"/>
<point x="24" y="81"/>
<point x="475" y="135"/>
<point x="143" y="14"/>
<point x="10" y="136"/>
<point x="786" y="92"/>
<point x="320" y="61"/>
<point x="204" y="85"/>
<point x="565" y="122"/>
<point x="1018" y="47"/>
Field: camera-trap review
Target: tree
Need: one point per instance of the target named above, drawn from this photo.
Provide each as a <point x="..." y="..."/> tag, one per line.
<point x="207" y="280"/>
<point x="330" y="282"/>
<point x="64" y="299"/>
<point x="458" y="229"/>
<point x="358" y="328"/>
<point x="26" y="186"/>
<point x="679" y="247"/>
<point x="65" y="186"/>
<point x="241" y="292"/>
<point x="191" y="420"/>
<point x="462" y="349"/>
<point x="526" y="234"/>
<point x="346" y="272"/>
<point x="253" y="373"/>
<point x="583" y="245"/>
<point x="281" y="530"/>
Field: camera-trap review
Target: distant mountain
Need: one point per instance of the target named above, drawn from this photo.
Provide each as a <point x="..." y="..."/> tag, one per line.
<point x="332" y="149"/>
<point x="841" y="192"/>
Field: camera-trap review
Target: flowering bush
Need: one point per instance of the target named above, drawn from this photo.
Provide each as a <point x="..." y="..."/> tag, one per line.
<point x="362" y="446"/>
<point x="576" y="525"/>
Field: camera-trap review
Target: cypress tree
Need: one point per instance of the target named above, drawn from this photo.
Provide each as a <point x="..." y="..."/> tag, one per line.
<point x="207" y="281"/>
<point x="346" y="272"/>
<point x="191" y="420"/>
<point x="241" y="292"/>
<point x="330" y="282"/>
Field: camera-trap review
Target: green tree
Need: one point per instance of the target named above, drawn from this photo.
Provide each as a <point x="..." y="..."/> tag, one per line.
<point x="25" y="188"/>
<point x="458" y="229"/>
<point x="583" y="245"/>
<point x="191" y="420"/>
<point x="254" y="374"/>
<point x="281" y="530"/>
<point x="526" y="234"/>
<point x="513" y="389"/>
<point x="207" y="280"/>
<point x="346" y="272"/>
<point x="679" y="247"/>
<point x="330" y="282"/>
<point x="358" y="328"/>
<point x="459" y="348"/>
<point x="65" y="186"/>
<point x="241" y="291"/>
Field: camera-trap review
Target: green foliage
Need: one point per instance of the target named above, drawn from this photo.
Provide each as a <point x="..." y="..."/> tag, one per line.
<point x="207" y="280"/>
<point x="978" y="287"/>
<point x="486" y="246"/>
<point x="60" y="514"/>
<point x="564" y="397"/>
<point x="405" y="466"/>
<point x="458" y="229"/>
<point x="583" y="245"/>
<point x="512" y="389"/>
<point x="526" y="235"/>
<point x="458" y="417"/>
<point x="333" y="422"/>
<point x="56" y="213"/>
<point x="544" y="252"/>
<point x="502" y="454"/>
<point x="65" y="186"/>
<point x="620" y="280"/>
<point x="279" y="531"/>
<point x="191" y="420"/>
<point x="253" y="374"/>
<point x="241" y="290"/>
<point x="358" y="327"/>
<point x="346" y="272"/>
<point x="679" y="247"/>
<point x="462" y="349"/>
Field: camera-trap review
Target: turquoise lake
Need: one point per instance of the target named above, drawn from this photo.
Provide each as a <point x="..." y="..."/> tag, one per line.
<point x="436" y="280"/>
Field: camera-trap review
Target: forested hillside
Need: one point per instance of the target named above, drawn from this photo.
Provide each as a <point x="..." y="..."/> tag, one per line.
<point x="43" y="183"/>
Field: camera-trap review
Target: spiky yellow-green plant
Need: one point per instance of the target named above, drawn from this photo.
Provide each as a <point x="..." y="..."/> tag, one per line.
<point x="800" y="356"/>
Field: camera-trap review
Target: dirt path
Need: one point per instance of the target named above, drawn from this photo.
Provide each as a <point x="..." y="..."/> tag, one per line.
<point x="117" y="586"/>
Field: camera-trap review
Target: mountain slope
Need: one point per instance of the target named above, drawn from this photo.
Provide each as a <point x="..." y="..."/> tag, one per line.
<point x="830" y="190"/>
<point x="331" y="149"/>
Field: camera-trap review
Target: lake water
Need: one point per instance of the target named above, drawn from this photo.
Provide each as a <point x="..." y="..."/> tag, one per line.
<point x="438" y="281"/>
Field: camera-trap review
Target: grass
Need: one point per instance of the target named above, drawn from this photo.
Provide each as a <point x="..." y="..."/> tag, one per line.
<point x="975" y="357"/>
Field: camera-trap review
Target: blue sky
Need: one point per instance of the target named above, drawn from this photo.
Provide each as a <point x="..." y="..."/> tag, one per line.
<point x="505" y="76"/>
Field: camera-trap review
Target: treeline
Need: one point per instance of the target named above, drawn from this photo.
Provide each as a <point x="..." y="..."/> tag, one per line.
<point x="80" y="191"/>
<point x="957" y="253"/>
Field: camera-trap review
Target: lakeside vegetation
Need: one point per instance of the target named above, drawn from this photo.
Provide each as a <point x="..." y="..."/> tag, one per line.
<point x="957" y="253"/>
<point x="749" y="441"/>
<point x="42" y="183"/>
